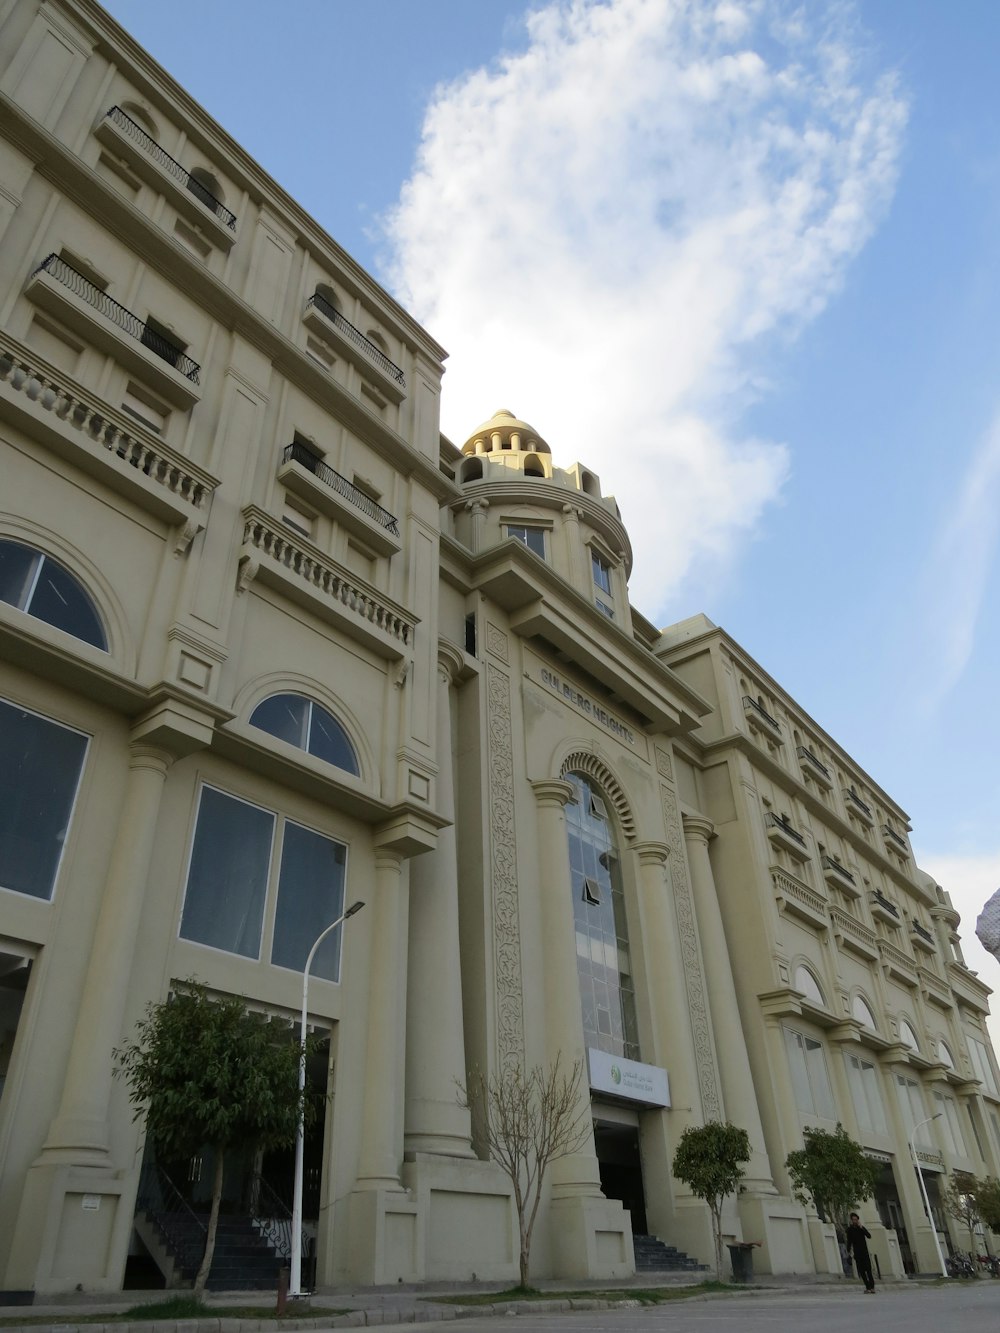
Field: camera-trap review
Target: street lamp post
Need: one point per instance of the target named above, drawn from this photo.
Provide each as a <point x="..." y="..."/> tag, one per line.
<point x="923" y="1187"/>
<point x="295" y="1277"/>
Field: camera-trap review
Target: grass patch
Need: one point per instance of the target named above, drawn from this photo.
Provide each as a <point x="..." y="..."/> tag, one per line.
<point x="173" y="1308"/>
<point x="644" y="1295"/>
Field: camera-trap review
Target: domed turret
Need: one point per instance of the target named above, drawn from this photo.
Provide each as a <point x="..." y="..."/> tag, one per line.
<point x="505" y="431"/>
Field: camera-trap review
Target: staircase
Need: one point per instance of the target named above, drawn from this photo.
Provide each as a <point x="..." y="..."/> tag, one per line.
<point x="652" y="1256"/>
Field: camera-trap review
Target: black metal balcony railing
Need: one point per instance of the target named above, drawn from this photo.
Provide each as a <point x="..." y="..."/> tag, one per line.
<point x="890" y="833"/>
<point x="805" y="753"/>
<point x="125" y="320"/>
<point x="775" y="821"/>
<point x="356" y="336"/>
<point x="922" y="931"/>
<point x="830" y="864"/>
<point x="884" y="902"/>
<point x="761" y="711"/>
<point x="854" y="799"/>
<point x="298" y="453"/>
<point x="136" y="132"/>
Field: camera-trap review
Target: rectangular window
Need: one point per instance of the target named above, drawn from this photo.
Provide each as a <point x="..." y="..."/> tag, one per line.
<point x="951" y="1131"/>
<point x="604" y="608"/>
<point x="227" y="877"/>
<point x="911" y="1106"/>
<point x="40" y="767"/>
<point x="602" y="573"/>
<point x="810" y="1077"/>
<point x="533" y="538"/>
<point x="975" y="1130"/>
<point x="866" y="1095"/>
<point x="310" y="896"/>
<point x="983" y="1066"/>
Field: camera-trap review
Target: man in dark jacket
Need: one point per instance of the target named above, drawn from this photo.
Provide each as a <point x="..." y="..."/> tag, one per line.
<point x="857" y="1244"/>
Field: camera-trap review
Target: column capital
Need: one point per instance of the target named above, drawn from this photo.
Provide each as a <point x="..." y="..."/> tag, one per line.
<point x="477" y="506"/>
<point x="451" y="663"/>
<point x="699" y="828"/>
<point x="572" y="512"/>
<point x="153" y="757"/>
<point x="652" y="853"/>
<point x="553" y="791"/>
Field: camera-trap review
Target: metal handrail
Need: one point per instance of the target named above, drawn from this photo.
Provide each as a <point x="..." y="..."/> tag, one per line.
<point x="136" y="132"/>
<point x="345" y="326"/>
<point x="272" y="1217"/>
<point x="804" y="752"/>
<point x="181" y="1227"/>
<point x="830" y="864"/>
<point x="298" y="453"/>
<point x="855" y="799"/>
<point x="749" y="702"/>
<point x="889" y="832"/>
<point x="922" y="931"/>
<point x="125" y="319"/>
<point x="786" y="827"/>
<point x="883" y="901"/>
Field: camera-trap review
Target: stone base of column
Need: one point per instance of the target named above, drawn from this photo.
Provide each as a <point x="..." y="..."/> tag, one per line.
<point x="380" y="1227"/>
<point x="591" y="1238"/>
<point x="689" y="1229"/>
<point x="71" y="1232"/>
<point x="825" y="1247"/>
<point x="467" y="1228"/>
<point x="780" y="1227"/>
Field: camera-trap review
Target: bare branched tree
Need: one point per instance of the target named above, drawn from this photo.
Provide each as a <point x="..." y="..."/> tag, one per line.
<point x="528" y="1120"/>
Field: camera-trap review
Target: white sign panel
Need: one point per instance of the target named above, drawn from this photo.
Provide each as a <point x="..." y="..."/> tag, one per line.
<point x="628" y="1078"/>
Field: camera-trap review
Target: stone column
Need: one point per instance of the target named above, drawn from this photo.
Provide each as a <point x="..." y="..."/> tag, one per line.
<point x="664" y="969"/>
<point x="738" y="1093"/>
<point x="381" y="1143"/>
<point x="78" y="1134"/>
<point x="577" y="1174"/>
<point x="579" y="575"/>
<point x="478" y="508"/>
<point x="435" y="1042"/>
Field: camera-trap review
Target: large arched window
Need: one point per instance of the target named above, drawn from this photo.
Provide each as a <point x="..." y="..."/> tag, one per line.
<point x="602" y="950"/>
<point x="808" y="985"/>
<point x="864" y="1015"/>
<point x="40" y="586"/>
<point x="307" y="725"/>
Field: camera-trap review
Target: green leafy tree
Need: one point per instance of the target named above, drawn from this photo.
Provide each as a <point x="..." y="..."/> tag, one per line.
<point x="988" y="1195"/>
<point x="833" y="1171"/>
<point x="207" y="1072"/>
<point x="960" y="1200"/>
<point x="528" y="1120"/>
<point x="709" y="1160"/>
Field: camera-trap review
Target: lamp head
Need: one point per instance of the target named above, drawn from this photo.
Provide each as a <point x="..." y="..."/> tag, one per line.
<point x="354" y="907"/>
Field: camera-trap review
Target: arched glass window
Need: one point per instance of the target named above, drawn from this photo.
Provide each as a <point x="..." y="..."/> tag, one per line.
<point x="603" y="964"/>
<point x="907" y="1036"/>
<point x="300" y="722"/>
<point x="808" y="985"/>
<point x="39" y="585"/>
<point x="863" y="1014"/>
<point x="945" y="1055"/>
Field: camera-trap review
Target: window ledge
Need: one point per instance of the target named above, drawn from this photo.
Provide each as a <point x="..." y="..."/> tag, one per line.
<point x="49" y="294"/>
<point x="148" y="169"/>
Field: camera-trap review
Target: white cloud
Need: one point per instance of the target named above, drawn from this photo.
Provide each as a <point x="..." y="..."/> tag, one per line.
<point x="970" y="881"/>
<point x="958" y="571"/>
<point x="605" y="226"/>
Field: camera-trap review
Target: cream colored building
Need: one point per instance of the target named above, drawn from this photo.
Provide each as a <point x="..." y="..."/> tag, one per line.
<point x="269" y="644"/>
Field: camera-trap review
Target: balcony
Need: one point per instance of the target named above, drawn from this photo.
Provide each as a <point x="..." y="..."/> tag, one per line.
<point x="302" y="573"/>
<point x="840" y="877"/>
<point x="760" y="719"/>
<point x="922" y="938"/>
<point x="305" y="473"/>
<point x="895" y="841"/>
<point x="935" y="990"/>
<point x="326" y="320"/>
<point x="128" y="140"/>
<point x="852" y="935"/>
<point x="813" y="768"/>
<point x="858" y="808"/>
<point x="896" y="963"/>
<point x="968" y="988"/>
<point x="882" y="908"/>
<point x="104" y="443"/>
<point x="782" y="833"/>
<point x="79" y="303"/>
<point x="798" y="899"/>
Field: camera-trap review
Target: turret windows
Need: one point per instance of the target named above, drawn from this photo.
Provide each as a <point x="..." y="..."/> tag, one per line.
<point x="602" y="572"/>
<point x="533" y="538"/>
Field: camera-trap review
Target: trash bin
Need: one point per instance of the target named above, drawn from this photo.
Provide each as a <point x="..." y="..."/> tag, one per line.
<point x="741" y="1255"/>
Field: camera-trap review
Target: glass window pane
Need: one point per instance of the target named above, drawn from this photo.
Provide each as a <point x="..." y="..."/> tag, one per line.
<point x="285" y="716"/>
<point x="59" y="600"/>
<point x="40" y="767"/>
<point x="17" y="570"/>
<point x="310" y="897"/>
<point x="797" y="1069"/>
<point x="819" y="1079"/>
<point x="227" y="879"/>
<point x="328" y="741"/>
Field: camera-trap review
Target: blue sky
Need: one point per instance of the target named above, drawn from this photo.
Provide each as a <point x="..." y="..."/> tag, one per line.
<point x="738" y="256"/>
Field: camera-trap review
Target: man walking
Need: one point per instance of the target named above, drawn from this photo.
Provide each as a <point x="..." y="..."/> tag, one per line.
<point x="857" y="1244"/>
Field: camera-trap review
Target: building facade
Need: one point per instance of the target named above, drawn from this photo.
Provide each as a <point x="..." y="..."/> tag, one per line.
<point x="269" y="644"/>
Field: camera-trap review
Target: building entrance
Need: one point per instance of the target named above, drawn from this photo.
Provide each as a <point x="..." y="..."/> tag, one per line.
<point x="621" y="1167"/>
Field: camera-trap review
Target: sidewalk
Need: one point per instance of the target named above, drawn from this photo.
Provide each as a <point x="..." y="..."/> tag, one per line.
<point x="379" y="1306"/>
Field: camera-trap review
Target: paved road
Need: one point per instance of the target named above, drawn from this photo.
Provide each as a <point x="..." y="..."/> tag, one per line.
<point x="960" y="1307"/>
